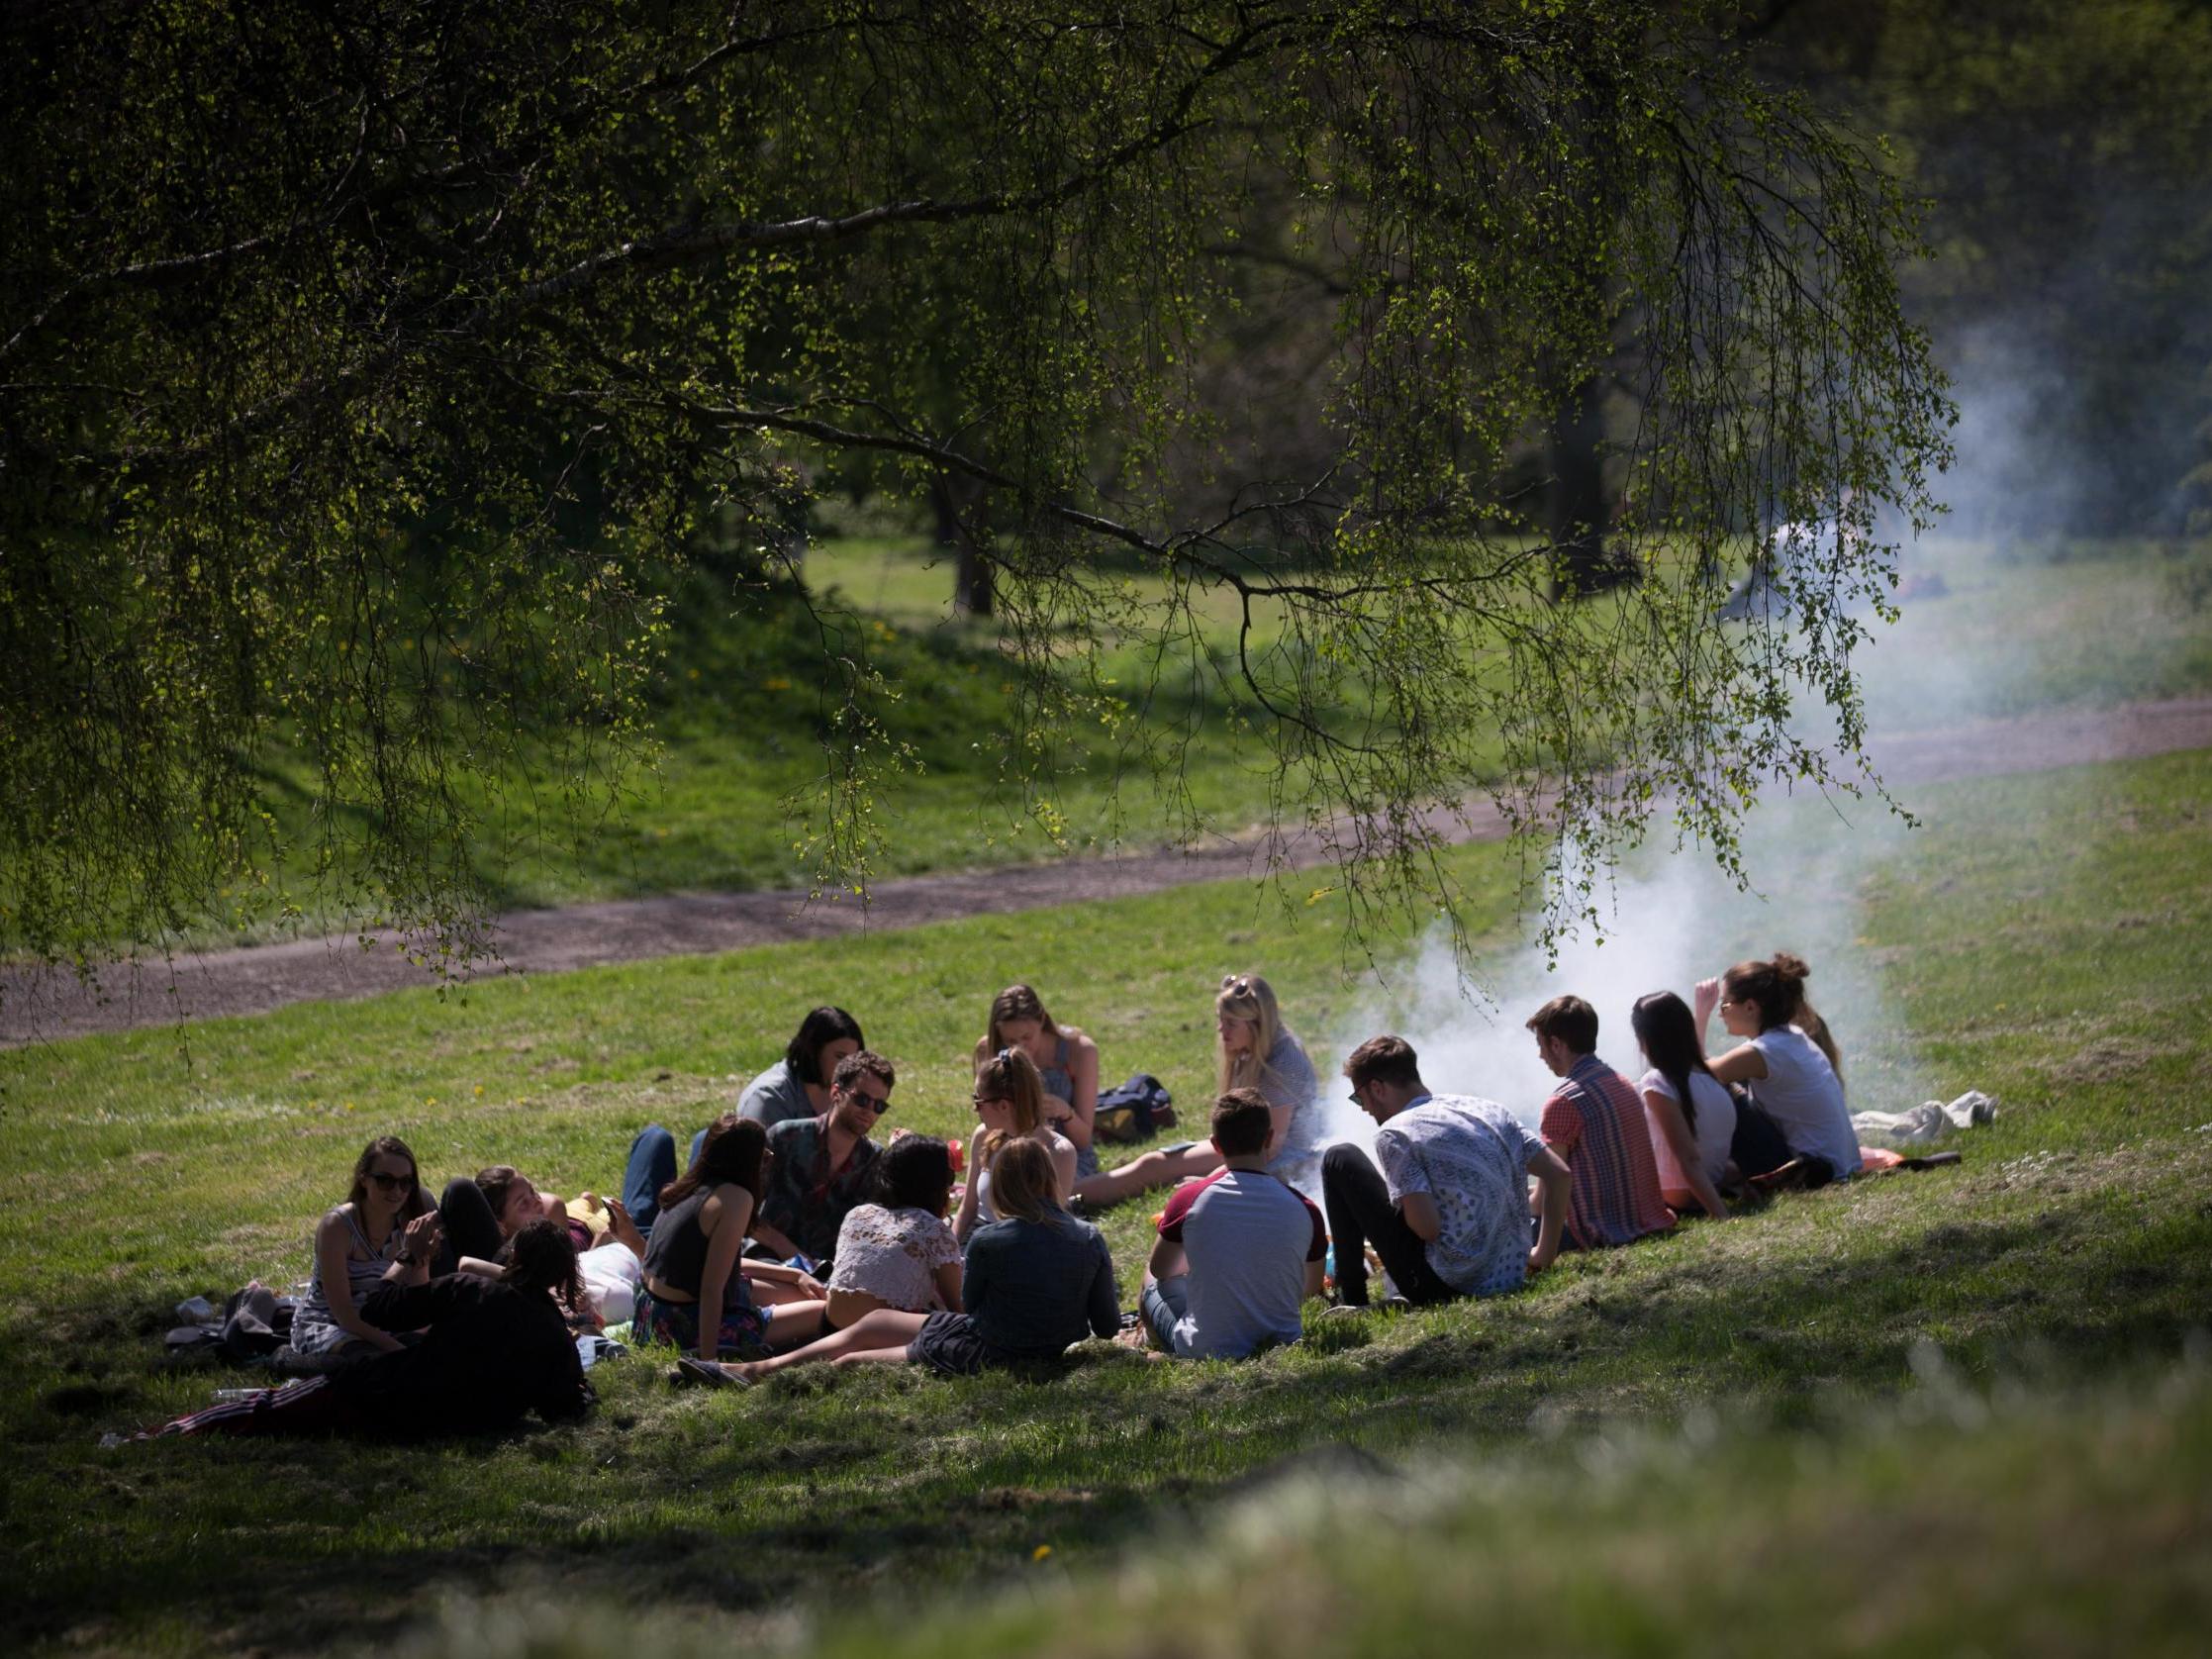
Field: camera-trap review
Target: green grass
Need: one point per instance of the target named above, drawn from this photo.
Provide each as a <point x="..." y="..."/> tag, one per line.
<point x="744" y="715"/>
<point x="2043" y="939"/>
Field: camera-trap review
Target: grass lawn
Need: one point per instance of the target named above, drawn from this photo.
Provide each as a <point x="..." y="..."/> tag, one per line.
<point x="2019" y="629"/>
<point x="2044" y="940"/>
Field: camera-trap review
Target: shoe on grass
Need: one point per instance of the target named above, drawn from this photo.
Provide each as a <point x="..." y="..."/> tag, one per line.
<point x="691" y="1369"/>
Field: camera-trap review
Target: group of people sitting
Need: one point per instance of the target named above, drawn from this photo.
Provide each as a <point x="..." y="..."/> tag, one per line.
<point x="792" y="1235"/>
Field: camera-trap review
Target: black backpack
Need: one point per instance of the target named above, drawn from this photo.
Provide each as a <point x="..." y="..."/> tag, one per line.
<point x="1137" y="1111"/>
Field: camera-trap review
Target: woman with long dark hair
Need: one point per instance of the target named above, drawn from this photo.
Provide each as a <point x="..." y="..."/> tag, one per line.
<point x="1692" y="1114"/>
<point x="695" y="1293"/>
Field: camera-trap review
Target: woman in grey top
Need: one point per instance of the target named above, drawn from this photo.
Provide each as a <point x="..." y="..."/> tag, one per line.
<point x="798" y="1085"/>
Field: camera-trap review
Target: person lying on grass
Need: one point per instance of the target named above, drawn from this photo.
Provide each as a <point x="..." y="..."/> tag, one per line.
<point x="1448" y="1209"/>
<point x="1253" y="1049"/>
<point x="611" y="1270"/>
<point x="1690" y="1112"/>
<point x="478" y="1215"/>
<point x="796" y="1086"/>
<point x="695" y="1293"/>
<point x="1786" y="1059"/>
<point x="493" y="1350"/>
<point x="1035" y="1283"/>
<point x="354" y="1245"/>
<point x="1594" y="1121"/>
<point x="1010" y="1108"/>
<point x="1067" y="1065"/>
<point x="1238" y="1251"/>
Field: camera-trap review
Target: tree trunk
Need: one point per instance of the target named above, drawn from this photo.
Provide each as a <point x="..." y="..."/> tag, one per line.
<point x="1578" y="509"/>
<point x="973" y="593"/>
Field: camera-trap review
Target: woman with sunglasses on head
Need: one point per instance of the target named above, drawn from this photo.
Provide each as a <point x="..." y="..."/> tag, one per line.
<point x="1253" y="1049"/>
<point x="1009" y="1105"/>
<point x="1786" y="1059"/>
<point x="354" y="1245"/>
<point x="1067" y="1063"/>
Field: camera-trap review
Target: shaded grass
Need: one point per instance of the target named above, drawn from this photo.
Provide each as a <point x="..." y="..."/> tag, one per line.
<point x="2077" y="1236"/>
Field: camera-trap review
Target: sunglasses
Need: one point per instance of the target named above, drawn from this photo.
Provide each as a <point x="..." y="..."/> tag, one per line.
<point x="881" y="1104"/>
<point x="990" y="1099"/>
<point x="389" y="1182"/>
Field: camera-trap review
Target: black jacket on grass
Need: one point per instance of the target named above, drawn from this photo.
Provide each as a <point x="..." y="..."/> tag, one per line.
<point x="491" y="1355"/>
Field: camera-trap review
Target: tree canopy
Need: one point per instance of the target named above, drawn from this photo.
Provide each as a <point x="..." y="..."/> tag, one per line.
<point x="365" y="369"/>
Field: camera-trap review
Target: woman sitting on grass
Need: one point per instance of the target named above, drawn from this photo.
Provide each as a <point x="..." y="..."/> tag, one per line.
<point x="493" y="1350"/>
<point x="1036" y="1282"/>
<point x="1067" y="1064"/>
<point x="895" y="1251"/>
<point x="1787" y="1061"/>
<point x="1253" y="1049"/>
<point x="354" y="1245"/>
<point x="694" y="1292"/>
<point x="1009" y="1100"/>
<point x="1691" y="1114"/>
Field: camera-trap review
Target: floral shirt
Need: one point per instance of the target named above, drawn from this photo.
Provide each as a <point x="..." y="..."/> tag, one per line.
<point x="894" y="1255"/>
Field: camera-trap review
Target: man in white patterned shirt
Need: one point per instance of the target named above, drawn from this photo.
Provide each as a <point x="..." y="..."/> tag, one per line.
<point x="1448" y="1209"/>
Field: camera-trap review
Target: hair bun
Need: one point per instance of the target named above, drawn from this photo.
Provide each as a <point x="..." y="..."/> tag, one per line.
<point x="1792" y="967"/>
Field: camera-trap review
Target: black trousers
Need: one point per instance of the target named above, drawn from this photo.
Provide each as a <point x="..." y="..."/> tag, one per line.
<point x="469" y="1229"/>
<point x="1360" y="1213"/>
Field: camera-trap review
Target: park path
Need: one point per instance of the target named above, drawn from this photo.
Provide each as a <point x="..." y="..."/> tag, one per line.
<point x="255" y="979"/>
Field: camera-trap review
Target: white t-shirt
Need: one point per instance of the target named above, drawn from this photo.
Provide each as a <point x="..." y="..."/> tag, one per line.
<point x="612" y="1274"/>
<point x="1714" y="1131"/>
<point x="1472" y="1157"/>
<point x="1804" y="1096"/>
<point x="893" y="1254"/>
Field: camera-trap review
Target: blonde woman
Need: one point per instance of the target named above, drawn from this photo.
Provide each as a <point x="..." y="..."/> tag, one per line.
<point x="1067" y="1063"/>
<point x="1257" y="1052"/>
<point x="1010" y="1106"/>
<point x="1253" y="1049"/>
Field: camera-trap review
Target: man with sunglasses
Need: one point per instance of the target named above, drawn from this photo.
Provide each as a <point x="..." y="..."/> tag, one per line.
<point x="820" y="1166"/>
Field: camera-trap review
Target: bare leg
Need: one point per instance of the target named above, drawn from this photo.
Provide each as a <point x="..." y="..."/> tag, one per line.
<point x="1154" y="1169"/>
<point x="793" y="1323"/>
<point x="872" y="1356"/>
<point x="881" y="1329"/>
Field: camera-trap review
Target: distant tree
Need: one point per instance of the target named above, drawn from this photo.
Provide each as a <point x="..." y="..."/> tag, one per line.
<point x="363" y="367"/>
<point x="2061" y="145"/>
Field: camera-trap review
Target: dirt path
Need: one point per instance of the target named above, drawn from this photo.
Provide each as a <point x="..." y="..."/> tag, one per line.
<point x="260" y="978"/>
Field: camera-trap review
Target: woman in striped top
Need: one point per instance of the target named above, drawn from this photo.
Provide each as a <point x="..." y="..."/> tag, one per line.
<point x="353" y="1245"/>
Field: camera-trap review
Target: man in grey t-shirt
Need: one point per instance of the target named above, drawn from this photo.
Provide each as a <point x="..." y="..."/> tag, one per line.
<point x="1448" y="1211"/>
<point x="1239" y="1251"/>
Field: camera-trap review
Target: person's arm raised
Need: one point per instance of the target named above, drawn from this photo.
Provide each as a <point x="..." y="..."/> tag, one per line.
<point x="332" y="1241"/>
<point x="1742" y="1064"/>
